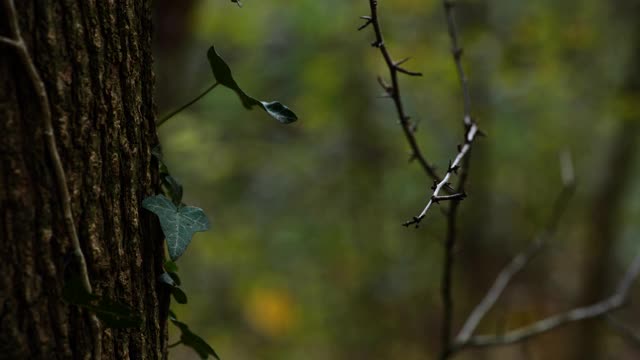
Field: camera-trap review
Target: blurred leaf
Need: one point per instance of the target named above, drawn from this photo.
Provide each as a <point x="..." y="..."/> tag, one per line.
<point x="179" y="295"/>
<point x="178" y="224"/>
<point x="222" y="73"/>
<point x="115" y="315"/>
<point x="111" y="313"/>
<point x="165" y="278"/>
<point x="193" y="341"/>
<point x="170" y="266"/>
<point x="174" y="276"/>
<point x="174" y="188"/>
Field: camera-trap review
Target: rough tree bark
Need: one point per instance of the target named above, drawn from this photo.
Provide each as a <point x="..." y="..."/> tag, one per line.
<point x="95" y="61"/>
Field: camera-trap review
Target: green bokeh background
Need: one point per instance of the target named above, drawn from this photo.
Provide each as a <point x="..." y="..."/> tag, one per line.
<point x="307" y="258"/>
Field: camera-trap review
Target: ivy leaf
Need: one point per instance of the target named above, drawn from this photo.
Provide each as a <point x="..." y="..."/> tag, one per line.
<point x="174" y="276"/>
<point x="111" y="313"/>
<point x="170" y="266"/>
<point x="174" y="188"/>
<point x="165" y="278"/>
<point x="222" y="73"/>
<point x="178" y="223"/>
<point x="179" y="295"/>
<point x="115" y="315"/>
<point x="194" y="341"/>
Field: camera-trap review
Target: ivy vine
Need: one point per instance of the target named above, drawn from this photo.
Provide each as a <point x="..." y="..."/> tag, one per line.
<point x="179" y="221"/>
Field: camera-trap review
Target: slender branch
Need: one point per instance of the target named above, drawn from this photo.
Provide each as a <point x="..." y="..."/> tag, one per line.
<point x="63" y="191"/>
<point x="174" y="344"/>
<point x="456" y="51"/>
<point x="393" y="90"/>
<point x="504" y="278"/>
<point x="470" y="125"/>
<point x="521" y="260"/>
<point x="603" y="307"/>
<point x="178" y="110"/>
<point x="624" y="330"/>
<point x="470" y="135"/>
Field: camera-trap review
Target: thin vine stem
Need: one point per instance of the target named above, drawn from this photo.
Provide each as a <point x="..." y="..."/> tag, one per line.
<point x="183" y="107"/>
<point x="174" y="344"/>
<point x="18" y="43"/>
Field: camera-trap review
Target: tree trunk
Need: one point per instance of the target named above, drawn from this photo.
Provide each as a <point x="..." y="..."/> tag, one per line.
<point x="94" y="58"/>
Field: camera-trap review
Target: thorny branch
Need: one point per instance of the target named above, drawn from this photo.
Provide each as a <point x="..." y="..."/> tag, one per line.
<point x="471" y="127"/>
<point x="618" y="299"/>
<point x="17" y="42"/>
<point x="393" y="90"/>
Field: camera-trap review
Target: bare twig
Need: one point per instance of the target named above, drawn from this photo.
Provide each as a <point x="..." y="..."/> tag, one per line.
<point x="471" y="128"/>
<point x="393" y="90"/>
<point x="521" y="260"/>
<point x="498" y="287"/>
<point x="18" y="43"/>
<point x="624" y="330"/>
<point x="603" y="307"/>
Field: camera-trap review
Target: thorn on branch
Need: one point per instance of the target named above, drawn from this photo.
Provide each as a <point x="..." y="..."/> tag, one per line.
<point x="453" y="169"/>
<point x="367" y="23"/>
<point x="400" y="62"/>
<point x="453" y="197"/>
<point x="416" y="220"/>
<point x="386" y="87"/>
<point x="406" y="72"/>
<point x="377" y="44"/>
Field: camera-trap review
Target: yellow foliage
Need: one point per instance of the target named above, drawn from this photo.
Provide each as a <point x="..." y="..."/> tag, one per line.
<point x="270" y="311"/>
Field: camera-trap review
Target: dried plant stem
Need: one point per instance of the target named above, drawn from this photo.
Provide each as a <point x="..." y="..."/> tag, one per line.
<point x="18" y="43"/>
<point x="393" y="89"/>
<point x="603" y="307"/>
<point x="519" y="262"/>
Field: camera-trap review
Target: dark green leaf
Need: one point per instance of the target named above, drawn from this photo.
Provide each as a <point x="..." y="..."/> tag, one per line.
<point x="111" y="313"/>
<point x="174" y="276"/>
<point x="172" y="316"/>
<point x="170" y="266"/>
<point x="165" y="278"/>
<point x="179" y="295"/>
<point x="194" y="341"/>
<point x="174" y="188"/>
<point x="223" y="75"/>
<point x="157" y="152"/>
<point x="178" y="224"/>
<point x="115" y="315"/>
<point x="279" y="112"/>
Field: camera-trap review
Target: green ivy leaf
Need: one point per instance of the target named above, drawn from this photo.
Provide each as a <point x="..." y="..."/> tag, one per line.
<point x="174" y="188"/>
<point x="170" y="266"/>
<point x="165" y="278"/>
<point x="111" y="313"/>
<point x="222" y="73"/>
<point x="194" y="341"/>
<point x="176" y="279"/>
<point x="179" y="295"/>
<point x="178" y="223"/>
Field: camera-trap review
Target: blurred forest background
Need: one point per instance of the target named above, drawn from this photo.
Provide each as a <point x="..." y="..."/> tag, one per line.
<point x="307" y="258"/>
